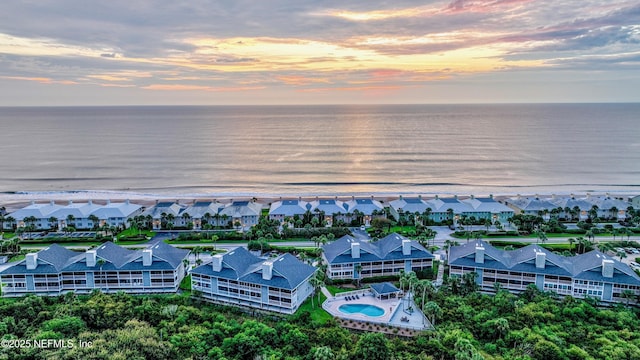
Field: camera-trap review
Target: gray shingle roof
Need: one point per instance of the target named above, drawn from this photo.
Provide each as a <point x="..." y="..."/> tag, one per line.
<point x="242" y="208"/>
<point x="241" y="265"/>
<point x="365" y="206"/>
<point x="329" y="206"/>
<point x="588" y="265"/>
<point x="409" y="205"/>
<point x="40" y="211"/>
<point x="164" y="207"/>
<point x="387" y="248"/>
<point x="289" y="207"/>
<point x="199" y="209"/>
<point x="56" y="259"/>
<point x="116" y="210"/>
<point x="384" y="288"/>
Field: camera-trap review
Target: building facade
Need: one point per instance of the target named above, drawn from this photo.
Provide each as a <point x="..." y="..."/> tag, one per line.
<point x="110" y="268"/>
<point x="592" y="274"/>
<point x="444" y="209"/>
<point x="240" y="278"/>
<point x="89" y="215"/>
<point x="348" y="258"/>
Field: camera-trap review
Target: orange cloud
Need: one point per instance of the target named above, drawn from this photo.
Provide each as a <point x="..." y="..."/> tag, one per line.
<point x="41" y="80"/>
<point x="301" y="80"/>
<point x="355" y="88"/>
<point x="181" y="87"/>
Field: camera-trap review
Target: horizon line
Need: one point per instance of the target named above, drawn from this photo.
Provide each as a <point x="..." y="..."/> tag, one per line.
<point x="327" y="104"/>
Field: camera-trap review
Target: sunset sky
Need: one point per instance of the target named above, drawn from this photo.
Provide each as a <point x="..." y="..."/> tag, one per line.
<point x="123" y="52"/>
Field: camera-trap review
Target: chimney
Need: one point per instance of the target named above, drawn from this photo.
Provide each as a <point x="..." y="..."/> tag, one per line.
<point x="267" y="270"/>
<point x="52" y="202"/>
<point x="355" y="250"/>
<point x="90" y="256"/>
<point x="491" y="196"/>
<point x="90" y="202"/>
<point x="607" y="268"/>
<point x="400" y="197"/>
<point x="406" y="247"/>
<point x="420" y="197"/>
<point x="455" y="196"/>
<point x="541" y="259"/>
<point x="216" y="262"/>
<point x="32" y="261"/>
<point x="479" y="254"/>
<point x="126" y="202"/>
<point x="473" y="197"/>
<point x="70" y="202"/>
<point x="437" y="197"/>
<point x="147" y="257"/>
<point x="32" y="202"/>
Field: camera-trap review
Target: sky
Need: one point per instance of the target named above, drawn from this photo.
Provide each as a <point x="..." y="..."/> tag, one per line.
<point x="236" y="52"/>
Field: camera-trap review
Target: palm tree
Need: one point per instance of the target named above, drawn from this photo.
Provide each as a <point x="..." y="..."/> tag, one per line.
<point x="185" y="263"/>
<point x="613" y="212"/>
<point x="53" y="222"/>
<point x="94" y="221"/>
<point x="316" y="281"/>
<point x="427" y="287"/>
<point x="207" y="218"/>
<point x="628" y="295"/>
<point x="197" y="251"/>
<point x="571" y="242"/>
<point x="185" y="218"/>
<point x="70" y="220"/>
<point x="170" y="219"/>
<point x="502" y="326"/>
<point x="433" y="310"/>
<point x="357" y="269"/>
<point x="100" y="263"/>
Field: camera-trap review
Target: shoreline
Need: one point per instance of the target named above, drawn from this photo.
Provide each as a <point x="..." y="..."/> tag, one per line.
<point x="14" y="200"/>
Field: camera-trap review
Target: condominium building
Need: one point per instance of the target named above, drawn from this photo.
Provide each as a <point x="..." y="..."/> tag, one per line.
<point x="56" y="270"/>
<point x="348" y="258"/>
<point x="592" y="274"/>
<point x="442" y="209"/>
<point x="81" y="215"/>
<point x="240" y="278"/>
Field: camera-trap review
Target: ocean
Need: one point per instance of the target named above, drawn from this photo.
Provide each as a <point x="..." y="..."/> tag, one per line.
<point x="321" y="150"/>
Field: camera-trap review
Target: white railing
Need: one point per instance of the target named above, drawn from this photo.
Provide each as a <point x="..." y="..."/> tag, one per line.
<point x="350" y="293"/>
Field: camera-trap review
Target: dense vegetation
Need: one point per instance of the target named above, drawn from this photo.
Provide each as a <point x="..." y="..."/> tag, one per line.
<point x="469" y="325"/>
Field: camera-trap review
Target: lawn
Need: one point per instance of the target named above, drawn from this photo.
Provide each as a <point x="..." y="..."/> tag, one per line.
<point x="336" y="290"/>
<point x="130" y="232"/>
<point x="318" y="315"/>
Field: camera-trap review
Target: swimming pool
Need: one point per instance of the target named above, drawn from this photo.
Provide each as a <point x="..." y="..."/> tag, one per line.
<point x="368" y="310"/>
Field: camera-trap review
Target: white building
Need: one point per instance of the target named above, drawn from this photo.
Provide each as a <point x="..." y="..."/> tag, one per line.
<point x="240" y="278"/>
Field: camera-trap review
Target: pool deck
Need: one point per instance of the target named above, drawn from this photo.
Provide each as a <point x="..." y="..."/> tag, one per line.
<point x="394" y="311"/>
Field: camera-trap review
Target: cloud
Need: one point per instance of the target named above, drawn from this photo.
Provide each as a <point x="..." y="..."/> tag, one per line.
<point x="199" y="45"/>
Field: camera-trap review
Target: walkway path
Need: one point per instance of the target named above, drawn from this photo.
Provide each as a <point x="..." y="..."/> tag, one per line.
<point x="326" y="292"/>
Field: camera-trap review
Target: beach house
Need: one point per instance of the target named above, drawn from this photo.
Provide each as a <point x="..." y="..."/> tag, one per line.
<point x="202" y="213"/>
<point x="348" y="258"/>
<point x="242" y="214"/>
<point x="283" y="210"/>
<point x="240" y="278"/>
<point x="165" y="215"/>
<point x="593" y="274"/>
<point x="110" y="268"/>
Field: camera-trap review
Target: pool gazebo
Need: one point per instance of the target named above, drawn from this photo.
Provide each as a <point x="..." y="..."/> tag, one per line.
<point x="385" y="291"/>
